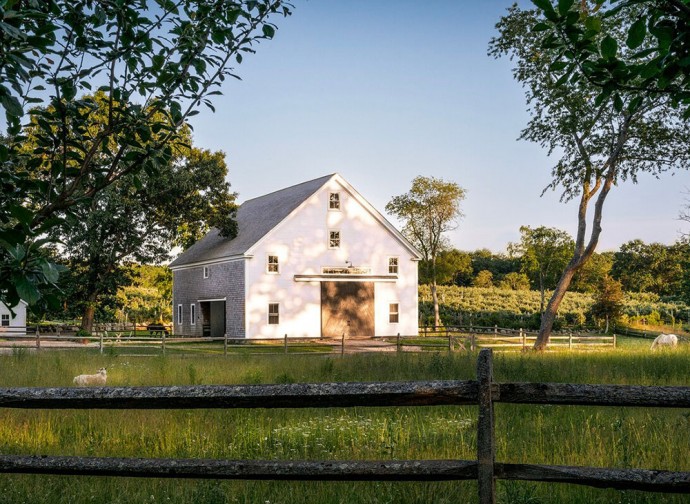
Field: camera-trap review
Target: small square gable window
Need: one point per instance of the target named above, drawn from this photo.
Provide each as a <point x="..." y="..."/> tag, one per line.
<point x="334" y="239"/>
<point x="272" y="264"/>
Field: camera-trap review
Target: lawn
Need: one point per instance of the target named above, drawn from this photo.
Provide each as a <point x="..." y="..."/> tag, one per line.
<point x="615" y="437"/>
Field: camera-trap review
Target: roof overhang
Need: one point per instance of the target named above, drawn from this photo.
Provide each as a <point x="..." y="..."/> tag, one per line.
<point x="345" y="278"/>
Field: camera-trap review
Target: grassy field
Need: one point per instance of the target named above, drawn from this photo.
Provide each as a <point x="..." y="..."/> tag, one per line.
<point x="615" y="437"/>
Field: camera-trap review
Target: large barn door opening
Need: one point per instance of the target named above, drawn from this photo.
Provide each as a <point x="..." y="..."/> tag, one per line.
<point x="347" y="308"/>
<point x="213" y="318"/>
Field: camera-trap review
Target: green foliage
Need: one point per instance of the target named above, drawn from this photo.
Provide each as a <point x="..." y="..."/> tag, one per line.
<point x="114" y="82"/>
<point x="483" y="279"/>
<point x="452" y="267"/>
<point x="514" y="281"/>
<point x="543" y="253"/>
<point x="608" y="300"/>
<point x="646" y="54"/>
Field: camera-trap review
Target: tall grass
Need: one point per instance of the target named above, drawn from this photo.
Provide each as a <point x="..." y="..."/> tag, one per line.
<point x="614" y="437"/>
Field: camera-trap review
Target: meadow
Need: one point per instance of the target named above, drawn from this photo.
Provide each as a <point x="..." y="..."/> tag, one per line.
<point x="614" y="437"/>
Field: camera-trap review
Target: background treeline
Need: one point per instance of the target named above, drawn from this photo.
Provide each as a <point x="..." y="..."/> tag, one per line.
<point x="653" y="268"/>
<point x="507" y="289"/>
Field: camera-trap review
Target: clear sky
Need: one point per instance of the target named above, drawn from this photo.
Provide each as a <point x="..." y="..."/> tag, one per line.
<point x="381" y="91"/>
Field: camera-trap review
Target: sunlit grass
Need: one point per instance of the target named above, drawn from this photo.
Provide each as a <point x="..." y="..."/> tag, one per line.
<point x="607" y="437"/>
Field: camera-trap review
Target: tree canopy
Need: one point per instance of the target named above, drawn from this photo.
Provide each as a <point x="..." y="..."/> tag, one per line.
<point x="156" y="63"/>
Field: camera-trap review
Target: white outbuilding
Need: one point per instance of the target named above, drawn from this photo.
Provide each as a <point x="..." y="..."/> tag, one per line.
<point x="315" y="259"/>
<point x="13" y="323"/>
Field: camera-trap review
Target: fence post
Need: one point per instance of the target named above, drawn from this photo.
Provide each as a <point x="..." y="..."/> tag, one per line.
<point x="473" y="343"/>
<point x="486" y="446"/>
<point x="614" y="340"/>
<point x="522" y="336"/>
<point x="450" y="344"/>
<point x="342" y="344"/>
<point x="163" y="343"/>
<point x="397" y="343"/>
<point x="225" y="344"/>
<point x="495" y="329"/>
<point x="100" y="341"/>
<point x="570" y="340"/>
<point x="285" y="343"/>
<point x="38" y="338"/>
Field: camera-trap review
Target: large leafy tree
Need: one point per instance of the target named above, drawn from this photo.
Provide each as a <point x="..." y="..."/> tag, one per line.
<point x="608" y="300"/>
<point x="543" y="253"/>
<point x="430" y="209"/>
<point x="156" y="62"/>
<point x="127" y="223"/>
<point x="601" y="140"/>
<point x="452" y="267"/>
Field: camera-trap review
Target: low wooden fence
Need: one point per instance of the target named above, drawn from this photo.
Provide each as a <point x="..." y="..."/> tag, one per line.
<point x="499" y="337"/>
<point x="442" y="339"/>
<point x="483" y="391"/>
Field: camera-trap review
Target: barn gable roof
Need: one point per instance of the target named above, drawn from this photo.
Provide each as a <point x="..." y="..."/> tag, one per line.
<point x="257" y="217"/>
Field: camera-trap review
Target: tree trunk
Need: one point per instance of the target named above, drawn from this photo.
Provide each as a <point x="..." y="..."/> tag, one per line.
<point x="549" y="315"/>
<point x="434" y="297"/>
<point x="89" y="312"/>
<point x="607" y="325"/>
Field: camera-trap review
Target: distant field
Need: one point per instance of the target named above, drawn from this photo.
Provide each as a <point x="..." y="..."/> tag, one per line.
<point x="617" y="437"/>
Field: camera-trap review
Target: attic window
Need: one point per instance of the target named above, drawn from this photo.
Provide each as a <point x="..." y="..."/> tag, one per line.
<point x="334" y="201"/>
<point x="272" y="265"/>
<point x="393" y="265"/>
<point x="5" y="320"/>
<point x="334" y="239"/>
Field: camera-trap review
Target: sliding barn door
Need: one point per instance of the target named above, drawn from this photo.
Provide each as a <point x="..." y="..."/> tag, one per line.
<point x="347" y="308"/>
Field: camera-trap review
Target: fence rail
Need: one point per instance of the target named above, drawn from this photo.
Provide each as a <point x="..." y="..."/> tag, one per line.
<point x="445" y="338"/>
<point x="483" y="392"/>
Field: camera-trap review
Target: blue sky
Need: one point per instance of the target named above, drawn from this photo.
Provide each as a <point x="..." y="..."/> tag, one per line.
<point x="382" y="91"/>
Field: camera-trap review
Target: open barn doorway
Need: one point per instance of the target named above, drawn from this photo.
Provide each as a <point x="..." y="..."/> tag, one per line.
<point x="213" y="318"/>
<point x="347" y="308"/>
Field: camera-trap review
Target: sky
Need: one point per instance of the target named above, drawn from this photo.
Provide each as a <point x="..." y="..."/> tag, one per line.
<point x="382" y="91"/>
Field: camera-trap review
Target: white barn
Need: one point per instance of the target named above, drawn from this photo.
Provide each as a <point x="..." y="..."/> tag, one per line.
<point x="13" y="323"/>
<point x="315" y="259"/>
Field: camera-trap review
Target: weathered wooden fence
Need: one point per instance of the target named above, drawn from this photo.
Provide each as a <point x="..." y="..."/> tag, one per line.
<point x="445" y="338"/>
<point x="483" y="391"/>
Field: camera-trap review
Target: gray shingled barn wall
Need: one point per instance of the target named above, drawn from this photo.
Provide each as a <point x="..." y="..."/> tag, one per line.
<point x="225" y="280"/>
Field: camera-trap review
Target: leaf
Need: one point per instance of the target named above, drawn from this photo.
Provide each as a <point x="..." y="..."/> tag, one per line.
<point x="593" y="23"/>
<point x="617" y="103"/>
<point x="564" y="6"/>
<point x="11" y="105"/>
<point x="50" y="272"/>
<point x="268" y="31"/>
<point x="27" y="290"/>
<point x="22" y="214"/>
<point x="608" y="47"/>
<point x="636" y="34"/>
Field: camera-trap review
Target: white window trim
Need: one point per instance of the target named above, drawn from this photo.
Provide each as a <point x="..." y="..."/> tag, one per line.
<point x="192" y="314"/>
<point x="340" y="203"/>
<point x="179" y="314"/>
<point x="389" y="312"/>
<point x="268" y="313"/>
<point x="205" y="271"/>
<point x="268" y="256"/>
<point x="397" y="265"/>
<point x="340" y="239"/>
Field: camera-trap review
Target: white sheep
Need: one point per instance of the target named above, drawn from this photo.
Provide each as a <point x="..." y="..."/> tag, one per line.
<point x="665" y="340"/>
<point x="91" y="379"/>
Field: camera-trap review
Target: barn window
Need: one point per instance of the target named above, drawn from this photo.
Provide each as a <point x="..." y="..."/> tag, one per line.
<point x="179" y="314"/>
<point x="205" y="271"/>
<point x="393" y="265"/>
<point x="272" y="265"/>
<point x="5" y="319"/>
<point x="393" y="313"/>
<point x="334" y="201"/>
<point x="334" y="239"/>
<point x="192" y="314"/>
<point x="273" y="313"/>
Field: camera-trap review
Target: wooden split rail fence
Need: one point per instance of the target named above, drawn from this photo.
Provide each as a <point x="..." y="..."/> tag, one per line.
<point x="483" y="392"/>
<point x="445" y="338"/>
